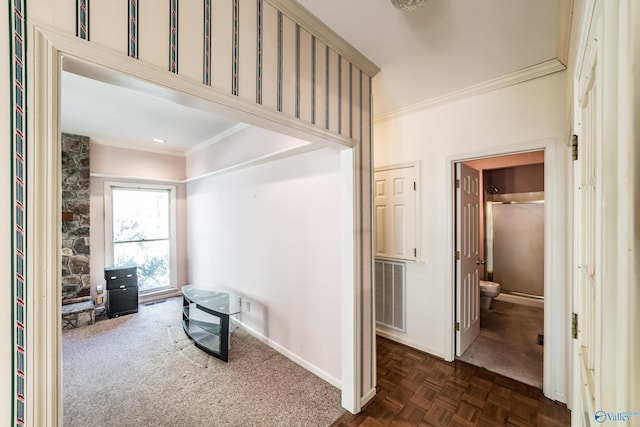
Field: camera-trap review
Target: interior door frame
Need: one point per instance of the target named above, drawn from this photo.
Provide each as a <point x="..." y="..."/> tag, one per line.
<point x="557" y="304"/>
<point x="48" y="46"/>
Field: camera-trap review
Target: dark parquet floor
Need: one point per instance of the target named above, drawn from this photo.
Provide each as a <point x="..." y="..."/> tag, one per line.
<point x="417" y="389"/>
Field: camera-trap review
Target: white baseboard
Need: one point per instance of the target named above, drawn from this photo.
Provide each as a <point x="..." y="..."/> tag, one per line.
<point x="403" y="340"/>
<point x="293" y="357"/>
<point x="562" y="398"/>
<point x="367" y="397"/>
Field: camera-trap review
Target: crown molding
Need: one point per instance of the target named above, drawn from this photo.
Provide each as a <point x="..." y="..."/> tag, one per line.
<point x="320" y="30"/>
<point x="564" y="32"/>
<point x="529" y="73"/>
<point x="133" y="145"/>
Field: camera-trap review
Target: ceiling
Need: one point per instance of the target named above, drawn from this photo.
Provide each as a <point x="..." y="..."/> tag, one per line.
<point x="115" y="115"/>
<point x="445" y="45"/>
<point x="440" y="48"/>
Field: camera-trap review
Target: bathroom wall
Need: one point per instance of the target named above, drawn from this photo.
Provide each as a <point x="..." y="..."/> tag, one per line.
<point x="517" y="179"/>
<point x="494" y="169"/>
<point x="518" y="247"/>
<point x="515" y="228"/>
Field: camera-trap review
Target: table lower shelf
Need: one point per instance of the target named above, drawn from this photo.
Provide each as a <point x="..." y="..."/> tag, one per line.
<point x="206" y="340"/>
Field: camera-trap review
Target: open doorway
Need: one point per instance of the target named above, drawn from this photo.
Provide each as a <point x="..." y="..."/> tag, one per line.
<point x="500" y="253"/>
<point x="46" y="276"/>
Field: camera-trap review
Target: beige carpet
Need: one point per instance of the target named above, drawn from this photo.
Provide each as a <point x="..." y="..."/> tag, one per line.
<point x="142" y="370"/>
<point x="508" y="342"/>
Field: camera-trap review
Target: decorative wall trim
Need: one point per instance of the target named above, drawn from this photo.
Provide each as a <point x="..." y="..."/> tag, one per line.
<point x="235" y="54"/>
<point x="326" y="86"/>
<point x="361" y="115"/>
<point x="297" y="94"/>
<point x="350" y="100"/>
<point x="316" y="27"/>
<point x="259" y="54"/>
<point x="133" y="29"/>
<point x="82" y="19"/>
<point x="18" y="76"/>
<point x="313" y="80"/>
<point x="206" y="54"/>
<point x="173" y="36"/>
<point x="340" y="94"/>
<point x="529" y="73"/>
<point x="280" y="53"/>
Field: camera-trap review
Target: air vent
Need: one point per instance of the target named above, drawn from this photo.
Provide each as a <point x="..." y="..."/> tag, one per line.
<point x="390" y="294"/>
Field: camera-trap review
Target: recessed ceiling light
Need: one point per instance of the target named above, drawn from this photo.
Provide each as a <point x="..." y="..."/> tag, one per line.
<point x="158" y="140"/>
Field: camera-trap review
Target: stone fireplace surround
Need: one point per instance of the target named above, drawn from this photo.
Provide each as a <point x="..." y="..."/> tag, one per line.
<point x="75" y="283"/>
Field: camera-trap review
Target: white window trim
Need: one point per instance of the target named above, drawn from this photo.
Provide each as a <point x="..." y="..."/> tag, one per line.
<point x="108" y="224"/>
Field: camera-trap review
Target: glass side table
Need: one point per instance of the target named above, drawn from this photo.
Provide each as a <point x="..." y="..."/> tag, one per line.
<point x="205" y="318"/>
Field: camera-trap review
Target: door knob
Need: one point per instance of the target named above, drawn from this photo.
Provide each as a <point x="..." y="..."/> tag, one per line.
<point x="480" y="262"/>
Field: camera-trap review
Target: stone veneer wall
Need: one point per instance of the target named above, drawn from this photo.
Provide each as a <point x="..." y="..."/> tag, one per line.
<point x="75" y="232"/>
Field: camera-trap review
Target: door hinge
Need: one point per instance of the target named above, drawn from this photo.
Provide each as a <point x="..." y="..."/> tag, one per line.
<point x="457" y="183"/>
<point x="574" y="147"/>
<point x="458" y="326"/>
<point x="415" y="252"/>
<point x="574" y="326"/>
<point x="457" y="255"/>
<point x="414" y="186"/>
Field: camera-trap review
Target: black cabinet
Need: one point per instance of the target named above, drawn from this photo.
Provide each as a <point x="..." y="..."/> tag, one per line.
<point x="122" y="290"/>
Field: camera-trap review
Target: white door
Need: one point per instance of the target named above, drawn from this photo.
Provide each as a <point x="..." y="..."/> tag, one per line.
<point x="395" y="213"/>
<point x="467" y="257"/>
<point x="587" y="286"/>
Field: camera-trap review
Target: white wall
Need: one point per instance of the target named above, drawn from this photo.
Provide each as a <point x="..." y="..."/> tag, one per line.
<point x="502" y="120"/>
<point x="271" y="233"/>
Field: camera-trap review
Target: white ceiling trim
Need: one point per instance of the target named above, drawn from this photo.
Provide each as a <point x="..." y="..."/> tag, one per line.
<point x="136" y="178"/>
<point x="219" y="137"/>
<point x="134" y="146"/>
<point x="529" y="73"/>
<point x="566" y="12"/>
<point x="287" y="152"/>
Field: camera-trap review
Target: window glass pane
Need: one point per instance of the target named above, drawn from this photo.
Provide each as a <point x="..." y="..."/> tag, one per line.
<point x="140" y="214"/>
<point x="152" y="259"/>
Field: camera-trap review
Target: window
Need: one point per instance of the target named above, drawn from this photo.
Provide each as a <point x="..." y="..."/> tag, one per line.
<point x="140" y="230"/>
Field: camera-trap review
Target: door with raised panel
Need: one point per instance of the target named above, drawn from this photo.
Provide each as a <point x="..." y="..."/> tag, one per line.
<point x="395" y="213"/>
<point x="467" y="257"/>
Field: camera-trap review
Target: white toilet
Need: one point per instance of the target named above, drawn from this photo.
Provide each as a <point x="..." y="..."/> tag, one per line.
<point x="488" y="291"/>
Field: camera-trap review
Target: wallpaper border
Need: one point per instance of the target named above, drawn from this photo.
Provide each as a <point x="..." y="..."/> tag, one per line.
<point x="18" y="74"/>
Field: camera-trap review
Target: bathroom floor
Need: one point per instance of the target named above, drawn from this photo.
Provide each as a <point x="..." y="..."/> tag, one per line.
<point x="508" y="342"/>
